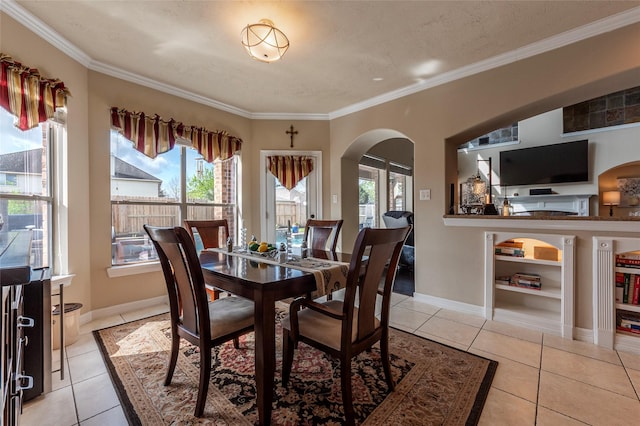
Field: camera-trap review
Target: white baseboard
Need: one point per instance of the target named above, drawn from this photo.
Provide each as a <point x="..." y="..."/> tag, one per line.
<point x="466" y="308"/>
<point x="121" y="309"/>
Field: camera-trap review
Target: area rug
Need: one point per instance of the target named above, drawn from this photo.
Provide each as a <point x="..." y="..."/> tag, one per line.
<point x="436" y="384"/>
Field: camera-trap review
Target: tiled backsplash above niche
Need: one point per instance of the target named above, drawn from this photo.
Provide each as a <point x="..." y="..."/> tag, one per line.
<point x="613" y="109"/>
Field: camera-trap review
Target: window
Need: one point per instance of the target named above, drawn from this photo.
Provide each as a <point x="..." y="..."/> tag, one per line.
<point x="368" y="188"/>
<point x="383" y="186"/>
<point x="26" y="185"/>
<point x="164" y="191"/>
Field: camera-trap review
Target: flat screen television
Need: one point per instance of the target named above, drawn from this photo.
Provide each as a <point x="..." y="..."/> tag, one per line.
<point x="557" y="163"/>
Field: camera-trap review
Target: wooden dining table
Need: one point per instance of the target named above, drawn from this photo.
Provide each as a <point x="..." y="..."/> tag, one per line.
<point x="264" y="284"/>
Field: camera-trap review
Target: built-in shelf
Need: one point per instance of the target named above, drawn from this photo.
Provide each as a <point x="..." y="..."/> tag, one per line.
<point x="628" y="307"/>
<point x="604" y="303"/>
<point x="528" y="259"/>
<point x="548" y="309"/>
<point x="553" y="294"/>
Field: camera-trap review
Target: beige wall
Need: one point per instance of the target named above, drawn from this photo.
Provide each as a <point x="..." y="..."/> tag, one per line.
<point x="435" y="120"/>
<point x="439" y="119"/>
<point x="31" y="50"/>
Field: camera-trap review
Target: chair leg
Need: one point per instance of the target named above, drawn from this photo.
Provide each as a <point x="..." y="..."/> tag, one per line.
<point x="386" y="365"/>
<point x="203" y="386"/>
<point x="347" y="397"/>
<point x="287" y="356"/>
<point x="236" y="342"/>
<point x="173" y="358"/>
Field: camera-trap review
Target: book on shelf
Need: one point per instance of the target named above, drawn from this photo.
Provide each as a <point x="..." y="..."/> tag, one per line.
<point x="630" y="323"/>
<point x="628" y="330"/>
<point x="636" y="289"/>
<point x="625" y="261"/>
<point x="521" y="279"/>
<point x="619" y="287"/>
<point x="626" y="287"/>
<point x="532" y="286"/>
<point x="511" y="243"/>
<point x="628" y="255"/>
<point x="509" y="251"/>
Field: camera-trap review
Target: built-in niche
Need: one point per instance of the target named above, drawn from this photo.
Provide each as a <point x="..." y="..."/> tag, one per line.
<point x="618" y="180"/>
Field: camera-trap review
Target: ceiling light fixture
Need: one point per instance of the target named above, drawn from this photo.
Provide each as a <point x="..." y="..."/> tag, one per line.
<point x="264" y="41"/>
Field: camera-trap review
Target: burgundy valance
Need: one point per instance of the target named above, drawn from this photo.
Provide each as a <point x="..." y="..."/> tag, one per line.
<point x="289" y="169"/>
<point x="31" y="98"/>
<point x="151" y="135"/>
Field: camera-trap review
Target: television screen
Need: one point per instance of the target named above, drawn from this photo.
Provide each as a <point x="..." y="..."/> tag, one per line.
<point x="557" y="163"/>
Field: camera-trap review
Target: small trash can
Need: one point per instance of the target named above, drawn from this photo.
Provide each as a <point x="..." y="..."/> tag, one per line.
<point x="71" y="324"/>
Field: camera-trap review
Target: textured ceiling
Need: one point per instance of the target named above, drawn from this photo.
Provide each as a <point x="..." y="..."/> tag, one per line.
<point x="342" y="52"/>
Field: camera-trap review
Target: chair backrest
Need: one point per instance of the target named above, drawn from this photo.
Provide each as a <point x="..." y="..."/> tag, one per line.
<point x="375" y="256"/>
<point x="209" y="231"/>
<point x="322" y="234"/>
<point x="188" y="301"/>
<point x="399" y="219"/>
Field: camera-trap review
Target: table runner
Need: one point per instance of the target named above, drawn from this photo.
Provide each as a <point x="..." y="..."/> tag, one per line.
<point x="330" y="275"/>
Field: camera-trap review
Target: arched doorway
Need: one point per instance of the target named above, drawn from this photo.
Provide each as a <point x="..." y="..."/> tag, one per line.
<point x="377" y="170"/>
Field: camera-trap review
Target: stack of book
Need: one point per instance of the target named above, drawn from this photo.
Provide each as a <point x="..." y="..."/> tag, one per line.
<point x="629" y="324"/>
<point x="628" y="288"/>
<point x="510" y="248"/>
<point x="531" y="281"/>
<point x="628" y="260"/>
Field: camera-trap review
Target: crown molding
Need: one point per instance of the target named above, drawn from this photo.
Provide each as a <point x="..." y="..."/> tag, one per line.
<point x="614" y="22"/>
<point x="165" y="88"/>
<point x="17" y="12"/>
<point x="602" y="26"/>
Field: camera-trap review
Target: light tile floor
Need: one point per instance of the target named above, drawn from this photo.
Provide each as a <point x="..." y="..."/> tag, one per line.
<point x="541" y="379"/>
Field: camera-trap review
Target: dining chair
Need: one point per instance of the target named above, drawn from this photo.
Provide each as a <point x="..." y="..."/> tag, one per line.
<point x="343" y="329"/>
<point x="201" y="322"/>
<point x="322" y="234"/>
<point x="213" y="234"/>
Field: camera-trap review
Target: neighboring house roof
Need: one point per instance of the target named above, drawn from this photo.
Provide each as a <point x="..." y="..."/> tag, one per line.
<point x="125" y="170"/>
<point x="22" y="161"/>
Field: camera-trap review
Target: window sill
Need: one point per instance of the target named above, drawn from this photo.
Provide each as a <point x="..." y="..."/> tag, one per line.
<point x="138" y="268"/>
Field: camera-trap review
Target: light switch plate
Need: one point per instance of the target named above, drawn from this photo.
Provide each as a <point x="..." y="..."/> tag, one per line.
<point x="425" y="194"/>
<point x="334" y="198"/>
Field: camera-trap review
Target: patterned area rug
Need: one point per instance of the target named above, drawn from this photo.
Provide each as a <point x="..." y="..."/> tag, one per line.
<point x="436" y="384"/>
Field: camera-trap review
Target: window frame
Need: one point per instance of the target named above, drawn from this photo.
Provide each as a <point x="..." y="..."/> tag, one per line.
<point x="183" y="205"/>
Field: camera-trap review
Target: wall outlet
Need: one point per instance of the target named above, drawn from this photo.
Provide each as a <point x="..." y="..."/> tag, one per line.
<point x="425" y="194"/>
<point x="334" y="198"/>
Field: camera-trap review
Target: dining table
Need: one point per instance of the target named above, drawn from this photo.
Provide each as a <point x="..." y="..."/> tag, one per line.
<point x="265" y="282"/>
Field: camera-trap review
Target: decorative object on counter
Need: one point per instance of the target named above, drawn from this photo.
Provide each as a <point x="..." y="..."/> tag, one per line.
<point x="243" y="239"/>
<point x="545" y="253"/>
<point x="476" y="194"/>
<point x="611" y="198"/>
<point x="229" y="244"/>
<point x="629" y="191"/>
<point x="506" y="207"/>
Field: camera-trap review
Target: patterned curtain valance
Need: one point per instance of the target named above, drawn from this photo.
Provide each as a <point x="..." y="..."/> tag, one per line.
<point x="32" y="99"/>
<point x="289" y="169"/>
<point x="152" y="136"/>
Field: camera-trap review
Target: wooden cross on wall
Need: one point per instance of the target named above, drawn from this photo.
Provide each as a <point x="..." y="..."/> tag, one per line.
<point x="291" y="132"/>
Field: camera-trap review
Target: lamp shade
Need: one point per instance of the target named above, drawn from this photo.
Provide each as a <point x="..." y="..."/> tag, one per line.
<point x="611" y="198"/>
<point x="264" y="42"/>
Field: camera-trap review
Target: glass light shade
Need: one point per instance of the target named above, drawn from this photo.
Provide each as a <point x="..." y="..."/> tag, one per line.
<point x="479" y="186"/>
<point x="611" y="198"/>
<point x="264" y="42"/>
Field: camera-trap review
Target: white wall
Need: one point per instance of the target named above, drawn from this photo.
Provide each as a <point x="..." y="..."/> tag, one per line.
<point x="608" y="148"/>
